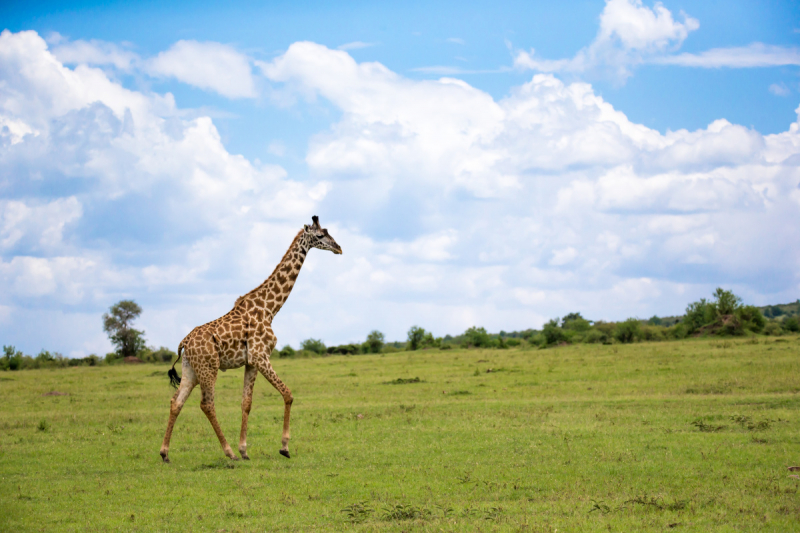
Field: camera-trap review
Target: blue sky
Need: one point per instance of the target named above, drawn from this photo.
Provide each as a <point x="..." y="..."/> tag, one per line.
<point x="480" y="164"/>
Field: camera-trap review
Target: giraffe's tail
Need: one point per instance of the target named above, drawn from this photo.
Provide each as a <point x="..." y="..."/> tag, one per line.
<point x="174" y="378"/>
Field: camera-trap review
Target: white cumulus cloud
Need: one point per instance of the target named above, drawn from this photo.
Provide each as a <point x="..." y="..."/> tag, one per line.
<point x="207" y="65"/>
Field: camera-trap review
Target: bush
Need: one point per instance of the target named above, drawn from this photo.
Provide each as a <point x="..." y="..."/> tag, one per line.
<point x="313" y="345"/>
<point x="678" y="331"/>
<point x="751" y="318"/>
<point x="791" y="324"/>
<point x="595" y="336"/>
<point x="286" y="351"/>
<point x="628" y="331"/>
<point x="773" y="328"/>
<point x="512" y="342"/>
<point x="653" y="333"/>
<point x="161" y="355"/>
<point x="344" y="349"/>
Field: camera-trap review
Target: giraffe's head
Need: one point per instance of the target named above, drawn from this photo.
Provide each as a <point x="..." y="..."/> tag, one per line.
<point x="318" y="237"/>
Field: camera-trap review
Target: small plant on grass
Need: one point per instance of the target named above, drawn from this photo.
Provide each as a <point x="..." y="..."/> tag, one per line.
<point x="358" y="512"/>
<point x="43" y="425"/>
<point x="403" y="381"/>
<point x="402" y="511"/>
<point x="706" y="428"/>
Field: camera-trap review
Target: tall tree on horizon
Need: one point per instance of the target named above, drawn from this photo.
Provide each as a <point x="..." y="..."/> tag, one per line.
<point x="118" y="324"/>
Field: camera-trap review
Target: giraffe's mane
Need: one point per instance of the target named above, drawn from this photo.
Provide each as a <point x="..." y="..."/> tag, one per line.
<point x="241" y="298"/>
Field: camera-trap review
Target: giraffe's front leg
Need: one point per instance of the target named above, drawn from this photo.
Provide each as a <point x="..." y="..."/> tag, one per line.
<point x="265" y="367"/>
<point x="250" y="373"/>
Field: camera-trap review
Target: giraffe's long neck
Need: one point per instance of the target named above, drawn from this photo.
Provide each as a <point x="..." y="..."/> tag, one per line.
<point x="273" y="293"/>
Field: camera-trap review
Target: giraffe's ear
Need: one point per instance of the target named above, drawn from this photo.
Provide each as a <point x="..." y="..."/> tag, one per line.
<point x="305" y="227"/>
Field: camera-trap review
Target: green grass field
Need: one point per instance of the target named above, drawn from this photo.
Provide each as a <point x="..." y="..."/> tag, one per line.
<point x="673" y="436"/>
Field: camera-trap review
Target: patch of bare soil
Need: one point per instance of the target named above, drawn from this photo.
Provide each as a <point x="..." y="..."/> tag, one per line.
<point x="55" y="393"/>
<point x="132" y="359"/>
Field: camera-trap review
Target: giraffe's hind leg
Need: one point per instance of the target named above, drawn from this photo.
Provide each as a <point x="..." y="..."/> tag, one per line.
<point x="208" y="381"/>
<point x="250" y="373"/>
<point x="188" y="382"/>
<point x="265" y="367"/>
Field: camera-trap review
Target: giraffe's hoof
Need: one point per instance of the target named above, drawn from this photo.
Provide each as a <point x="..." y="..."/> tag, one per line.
<point x="164" y="457"/>
<point x="285" y="453"/>
<point x="245" y="456"/>
<point x="233" y="458"/>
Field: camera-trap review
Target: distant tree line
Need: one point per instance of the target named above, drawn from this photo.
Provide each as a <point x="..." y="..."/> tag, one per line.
<point x="723" y="315"/>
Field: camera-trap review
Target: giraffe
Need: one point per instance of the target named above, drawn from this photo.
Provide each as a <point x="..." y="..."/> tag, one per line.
<point x="243" y="337"/>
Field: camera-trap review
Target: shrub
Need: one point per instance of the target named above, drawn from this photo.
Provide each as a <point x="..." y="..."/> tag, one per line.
<point x="287" y="351"/>
<point x="653" y="333"/>
<point x="773" y="328"/>
<point x="595" y="336"/>
<point x="751" y="318"/>
<point x="512" y="343"/>
<point x="344" y="349"/>
<point x="628" y="331"/>
<point x="161" y="355"/>
<point x="678" y="331"/>
<point x="791" y="324"/>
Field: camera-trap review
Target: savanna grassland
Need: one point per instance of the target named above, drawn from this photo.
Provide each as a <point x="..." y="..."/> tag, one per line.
<point x="690" y="435"/>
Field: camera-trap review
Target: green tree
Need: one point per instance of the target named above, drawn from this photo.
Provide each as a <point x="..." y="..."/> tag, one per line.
<point x="374" y="343"/>
<point x="416" y="336"/>
<point x="118" y="324"/>
<point x="12" y="358"/>
<point x="552" y="333"/>
<point x="725" y="302"/>
<point x="313" y="345"/>
<point x="575" y="322"/>
<point x="698" y="314"/>
<point x="477" y="337"/>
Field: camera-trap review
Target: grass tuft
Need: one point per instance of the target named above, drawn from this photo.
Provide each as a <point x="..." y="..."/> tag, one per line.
<point x="403" y="381"/>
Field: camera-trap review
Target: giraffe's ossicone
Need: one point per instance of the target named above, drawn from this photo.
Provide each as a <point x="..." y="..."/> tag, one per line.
<point x="243" y="337"/>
